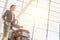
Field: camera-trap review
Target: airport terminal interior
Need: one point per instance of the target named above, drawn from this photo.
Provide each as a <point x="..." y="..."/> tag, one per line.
<point x="40" y="17"/>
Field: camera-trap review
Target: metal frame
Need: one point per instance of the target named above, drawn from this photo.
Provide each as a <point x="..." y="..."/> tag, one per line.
<point x="48" y="20"/>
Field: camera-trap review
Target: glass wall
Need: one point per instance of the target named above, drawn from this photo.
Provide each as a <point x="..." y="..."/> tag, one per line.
<point x="53" y="33"/>
<point x="2" y="5"/>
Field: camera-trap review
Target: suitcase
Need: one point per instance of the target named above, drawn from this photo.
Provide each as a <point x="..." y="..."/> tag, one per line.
<point x="21" y="34"/>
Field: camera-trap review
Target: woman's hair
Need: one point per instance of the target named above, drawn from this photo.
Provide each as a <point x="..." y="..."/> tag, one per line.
<point x="11" y="6"/>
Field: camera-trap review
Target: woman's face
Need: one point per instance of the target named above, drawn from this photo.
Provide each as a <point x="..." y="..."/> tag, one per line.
<point x="13" y="8"/>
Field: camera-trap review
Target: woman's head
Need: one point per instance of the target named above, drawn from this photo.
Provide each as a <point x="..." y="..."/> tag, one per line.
<point x="12" y="7"/>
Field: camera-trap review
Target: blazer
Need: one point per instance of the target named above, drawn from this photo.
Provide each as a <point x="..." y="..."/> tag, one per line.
<point x="7" y="16"/>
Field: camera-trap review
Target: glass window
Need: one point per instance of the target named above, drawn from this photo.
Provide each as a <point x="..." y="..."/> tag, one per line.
<point x="2" y="4"/>
<point x="53" y="26"/>
<point x="53" y="36"/>
<point x="1" y="10"/>
<point x="2" y="0"/>
<point x="39" y="34"/>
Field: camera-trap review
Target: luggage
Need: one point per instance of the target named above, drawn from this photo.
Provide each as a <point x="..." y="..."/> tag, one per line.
<point x="21" y="34"/>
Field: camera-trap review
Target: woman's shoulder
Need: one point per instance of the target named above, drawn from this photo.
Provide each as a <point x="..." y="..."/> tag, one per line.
<point x="7" y="10"/>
